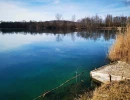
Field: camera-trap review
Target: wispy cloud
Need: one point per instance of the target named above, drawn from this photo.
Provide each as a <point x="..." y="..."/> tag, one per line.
<point x="56" y="1"/>
<point x="18" y="11"/>
<point x="12" y="10"/>
<point x="115" y="9"/>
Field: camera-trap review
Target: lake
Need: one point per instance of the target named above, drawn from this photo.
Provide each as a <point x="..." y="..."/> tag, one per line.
<point x="32" y="63"/>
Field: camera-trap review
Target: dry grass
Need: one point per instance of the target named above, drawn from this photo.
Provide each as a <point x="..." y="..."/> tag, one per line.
<point x="109" y="91"/>
<point x="113" y="91"/>
<point x="85" y="96"/>
<point x="121" y="48"/>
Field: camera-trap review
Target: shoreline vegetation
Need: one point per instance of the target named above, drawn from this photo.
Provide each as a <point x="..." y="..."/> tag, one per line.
<point x="118" y="52"/>
<point x="89" y="23"/>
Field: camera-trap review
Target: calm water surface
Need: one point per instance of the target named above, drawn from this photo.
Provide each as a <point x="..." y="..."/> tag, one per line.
<point x="33" y="63"/>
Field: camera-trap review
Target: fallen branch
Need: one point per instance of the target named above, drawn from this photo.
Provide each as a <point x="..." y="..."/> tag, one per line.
<point x="58" y="86"/>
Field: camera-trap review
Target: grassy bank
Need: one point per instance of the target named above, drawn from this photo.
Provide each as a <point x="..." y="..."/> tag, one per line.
<point x="109" y="91"/>
<point x="113" y="91"/>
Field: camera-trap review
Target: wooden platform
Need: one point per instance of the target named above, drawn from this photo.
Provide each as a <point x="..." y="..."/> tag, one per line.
<point x="117" y="71"/>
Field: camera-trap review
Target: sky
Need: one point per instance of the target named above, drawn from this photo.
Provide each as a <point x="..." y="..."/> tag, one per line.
<point x="43" y="10"/>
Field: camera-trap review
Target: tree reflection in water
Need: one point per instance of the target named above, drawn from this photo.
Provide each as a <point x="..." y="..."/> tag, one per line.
<point x="86" y="34"/>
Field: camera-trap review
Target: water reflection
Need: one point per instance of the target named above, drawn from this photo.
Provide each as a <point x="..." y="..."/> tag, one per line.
<point x="93" y="34"/>
<point x="23" y="37"/>
<point x="33" y="62"/>
<point x="11" y="41"/>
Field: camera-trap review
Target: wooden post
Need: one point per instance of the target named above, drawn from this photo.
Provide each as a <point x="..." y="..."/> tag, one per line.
<point x="110" y="77"/>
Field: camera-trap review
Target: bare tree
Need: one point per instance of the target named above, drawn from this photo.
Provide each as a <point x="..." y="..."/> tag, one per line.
<point x="58" y="16"/>
<point x="108" y="20"/>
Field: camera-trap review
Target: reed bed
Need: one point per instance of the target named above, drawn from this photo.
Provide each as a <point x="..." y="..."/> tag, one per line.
<point x="121" y="48"/>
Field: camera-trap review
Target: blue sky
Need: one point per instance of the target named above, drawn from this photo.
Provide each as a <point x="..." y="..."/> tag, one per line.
<point x="41" y="10"/>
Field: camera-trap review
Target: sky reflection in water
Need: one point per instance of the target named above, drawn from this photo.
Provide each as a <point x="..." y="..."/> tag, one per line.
<point x="31" y="64"/>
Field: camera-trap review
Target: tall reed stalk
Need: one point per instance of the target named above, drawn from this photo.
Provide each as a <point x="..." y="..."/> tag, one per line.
<point x="121" y="48"/>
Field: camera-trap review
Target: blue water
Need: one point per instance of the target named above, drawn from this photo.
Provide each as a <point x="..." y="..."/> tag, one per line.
<point x="33" y="63"/>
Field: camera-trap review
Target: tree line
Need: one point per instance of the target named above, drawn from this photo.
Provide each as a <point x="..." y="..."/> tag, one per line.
<point x="92" y="22"/>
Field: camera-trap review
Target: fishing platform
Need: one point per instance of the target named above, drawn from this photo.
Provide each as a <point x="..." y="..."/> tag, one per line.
<point x="112" y="72"/>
